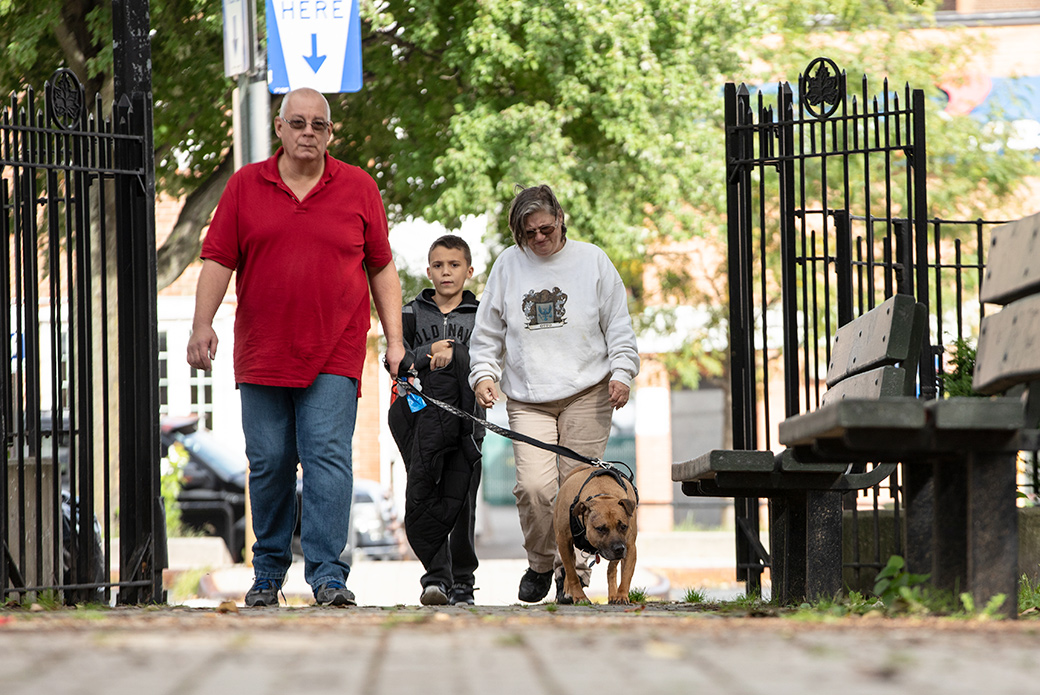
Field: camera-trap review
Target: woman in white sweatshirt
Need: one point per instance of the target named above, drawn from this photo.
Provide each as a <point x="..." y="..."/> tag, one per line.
<point x="553" y="332"/>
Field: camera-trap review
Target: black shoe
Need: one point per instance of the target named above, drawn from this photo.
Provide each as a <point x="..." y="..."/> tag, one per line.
<point x="334" y="594"/>
<point x="263" y="593"/>
<point x="434" y="595"/>
<point x="461" y="594"/>
<point x="534" y="585"/>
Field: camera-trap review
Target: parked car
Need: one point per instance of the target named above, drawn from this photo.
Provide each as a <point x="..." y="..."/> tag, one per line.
<point x="376" y="528"/>
<point x="212" y="498"/>
<point x="376" y="532"/>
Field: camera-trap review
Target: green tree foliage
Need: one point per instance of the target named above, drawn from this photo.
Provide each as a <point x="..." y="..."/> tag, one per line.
<point x="191" y="95"/>
<point x="618" y="105"/>
<point x="615" y="104"/>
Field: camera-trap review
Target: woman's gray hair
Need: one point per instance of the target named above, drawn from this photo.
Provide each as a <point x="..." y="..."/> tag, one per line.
<point x="528" y="201"/>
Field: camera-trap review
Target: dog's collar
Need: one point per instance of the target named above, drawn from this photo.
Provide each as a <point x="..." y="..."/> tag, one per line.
<point x="578" y="529"/>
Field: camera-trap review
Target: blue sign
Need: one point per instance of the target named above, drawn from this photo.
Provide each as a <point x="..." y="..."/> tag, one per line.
<point x="313" y="43"/>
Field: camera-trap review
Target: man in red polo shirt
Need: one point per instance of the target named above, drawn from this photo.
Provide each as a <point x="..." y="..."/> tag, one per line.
<point x="306" y="236"/>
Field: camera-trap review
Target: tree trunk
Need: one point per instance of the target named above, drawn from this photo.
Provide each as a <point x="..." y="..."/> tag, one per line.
<point x="184" y="243"/>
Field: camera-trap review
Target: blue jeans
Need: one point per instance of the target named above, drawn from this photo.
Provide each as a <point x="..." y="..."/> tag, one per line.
<point x="312" y="426"/>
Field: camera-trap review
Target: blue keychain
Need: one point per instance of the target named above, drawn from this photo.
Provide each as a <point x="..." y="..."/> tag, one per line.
<point x="415" y="402"/>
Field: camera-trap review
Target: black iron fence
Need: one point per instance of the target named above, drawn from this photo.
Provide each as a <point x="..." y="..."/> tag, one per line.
<point x="71" y="195"/>
<point x="827" y="217"/>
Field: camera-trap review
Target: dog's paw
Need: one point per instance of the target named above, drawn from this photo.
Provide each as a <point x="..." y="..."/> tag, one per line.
<point x="619" y="600"/>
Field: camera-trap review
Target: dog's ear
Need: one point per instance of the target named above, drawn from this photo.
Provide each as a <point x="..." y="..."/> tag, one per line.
<point x="628" y="505"/>
<point x="580" y="508"/>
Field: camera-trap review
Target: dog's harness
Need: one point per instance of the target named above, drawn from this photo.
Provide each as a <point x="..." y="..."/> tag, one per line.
<point x="578" y="529"/>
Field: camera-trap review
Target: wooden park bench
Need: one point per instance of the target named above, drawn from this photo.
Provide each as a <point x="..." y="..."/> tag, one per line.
<point x="874" y="359"/>
<point x="967" y="537"/>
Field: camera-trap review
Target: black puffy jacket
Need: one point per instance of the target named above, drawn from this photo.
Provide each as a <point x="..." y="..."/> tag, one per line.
<point x="440" y="450"/>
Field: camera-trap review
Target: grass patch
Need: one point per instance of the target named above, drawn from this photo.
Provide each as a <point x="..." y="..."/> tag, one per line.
<point x="1028" y="596"/>
<point x="693" y="595"/>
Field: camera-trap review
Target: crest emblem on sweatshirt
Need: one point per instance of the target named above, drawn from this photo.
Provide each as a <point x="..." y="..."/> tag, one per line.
<point x="545" y="309"/>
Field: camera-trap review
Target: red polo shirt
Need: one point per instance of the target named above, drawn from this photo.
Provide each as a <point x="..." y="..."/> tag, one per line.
<point x="303" y="302"/>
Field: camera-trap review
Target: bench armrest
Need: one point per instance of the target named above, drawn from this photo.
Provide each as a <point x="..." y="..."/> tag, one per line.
<point x="705" y="466"/>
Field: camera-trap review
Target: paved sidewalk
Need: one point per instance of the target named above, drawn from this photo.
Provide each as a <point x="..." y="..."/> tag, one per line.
<point x="499" y="646"/>
<point x="664" y="648"/>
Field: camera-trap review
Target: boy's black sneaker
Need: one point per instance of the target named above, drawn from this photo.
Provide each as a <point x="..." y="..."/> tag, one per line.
<point x="460" y="594"/>
<point x="534" y="585"/>
<point x="263" y="593"/>
<point x="434" y="595"/>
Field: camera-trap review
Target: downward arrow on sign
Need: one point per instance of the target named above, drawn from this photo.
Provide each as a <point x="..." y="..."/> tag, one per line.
<point x="314" y="60"/>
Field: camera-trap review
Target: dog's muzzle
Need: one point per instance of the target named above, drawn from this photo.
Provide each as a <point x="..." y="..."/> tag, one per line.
<point x="616" y="551"/>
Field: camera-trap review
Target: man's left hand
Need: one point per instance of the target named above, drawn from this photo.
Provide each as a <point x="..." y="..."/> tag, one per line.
<point x="394" y="355"/>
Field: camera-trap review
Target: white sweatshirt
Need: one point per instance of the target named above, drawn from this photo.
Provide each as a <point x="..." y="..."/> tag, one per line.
<point x="548" y="328"/>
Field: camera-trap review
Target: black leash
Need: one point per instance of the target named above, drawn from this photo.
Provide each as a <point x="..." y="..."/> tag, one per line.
<point x="405" y="389"/>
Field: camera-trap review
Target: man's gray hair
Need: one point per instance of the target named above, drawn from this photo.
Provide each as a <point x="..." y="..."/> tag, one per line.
<point x="302" y="90"/>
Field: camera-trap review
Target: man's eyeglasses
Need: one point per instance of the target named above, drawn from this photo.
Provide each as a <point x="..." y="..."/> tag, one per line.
<point x="544" y="230"/>
<point x="317" y="124"/>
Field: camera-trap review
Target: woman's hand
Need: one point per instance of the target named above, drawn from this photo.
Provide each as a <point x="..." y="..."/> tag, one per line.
<point x="486" y="392"/>
<point x="618" y="394"/>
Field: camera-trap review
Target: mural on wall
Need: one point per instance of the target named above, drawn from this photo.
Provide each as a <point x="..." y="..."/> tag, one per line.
<point x="1016" y="99"/>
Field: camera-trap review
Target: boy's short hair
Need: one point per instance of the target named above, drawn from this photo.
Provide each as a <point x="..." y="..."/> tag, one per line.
<point x="452" y="241"/>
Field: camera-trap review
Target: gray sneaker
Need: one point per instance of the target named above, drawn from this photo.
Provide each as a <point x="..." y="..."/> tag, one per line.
<point x="434" y="595"/>
<point x="263" y="593"/>
<point x="334" y="593"/>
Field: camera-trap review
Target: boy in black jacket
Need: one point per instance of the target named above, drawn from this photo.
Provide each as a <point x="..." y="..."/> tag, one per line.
<point x="441" y="451"/>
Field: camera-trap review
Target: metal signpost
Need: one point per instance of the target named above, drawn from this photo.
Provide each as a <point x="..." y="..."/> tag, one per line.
<point x="250" y="101"/>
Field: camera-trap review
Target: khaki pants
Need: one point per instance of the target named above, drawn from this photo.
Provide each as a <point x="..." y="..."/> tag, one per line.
<point x="581" y="423"/>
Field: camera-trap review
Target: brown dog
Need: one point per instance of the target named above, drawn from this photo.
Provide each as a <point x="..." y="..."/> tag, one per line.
<point x="596" y="511"/>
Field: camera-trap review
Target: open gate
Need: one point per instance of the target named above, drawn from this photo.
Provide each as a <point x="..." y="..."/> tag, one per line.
<point x="827" y="205"/>
<point x="79" y="408"/>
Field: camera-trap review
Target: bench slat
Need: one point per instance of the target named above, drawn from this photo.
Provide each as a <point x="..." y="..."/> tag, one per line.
<point x="707" y="465"/>
<point x="787" y="463"/>
<point x="977" y="414"/>
<point x="832" y="421"/>
<point x="882" y="382"/>
<point x="1012" y="270"/>
<point x="879" y="337"/>
<point x="1009" y="347"/>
